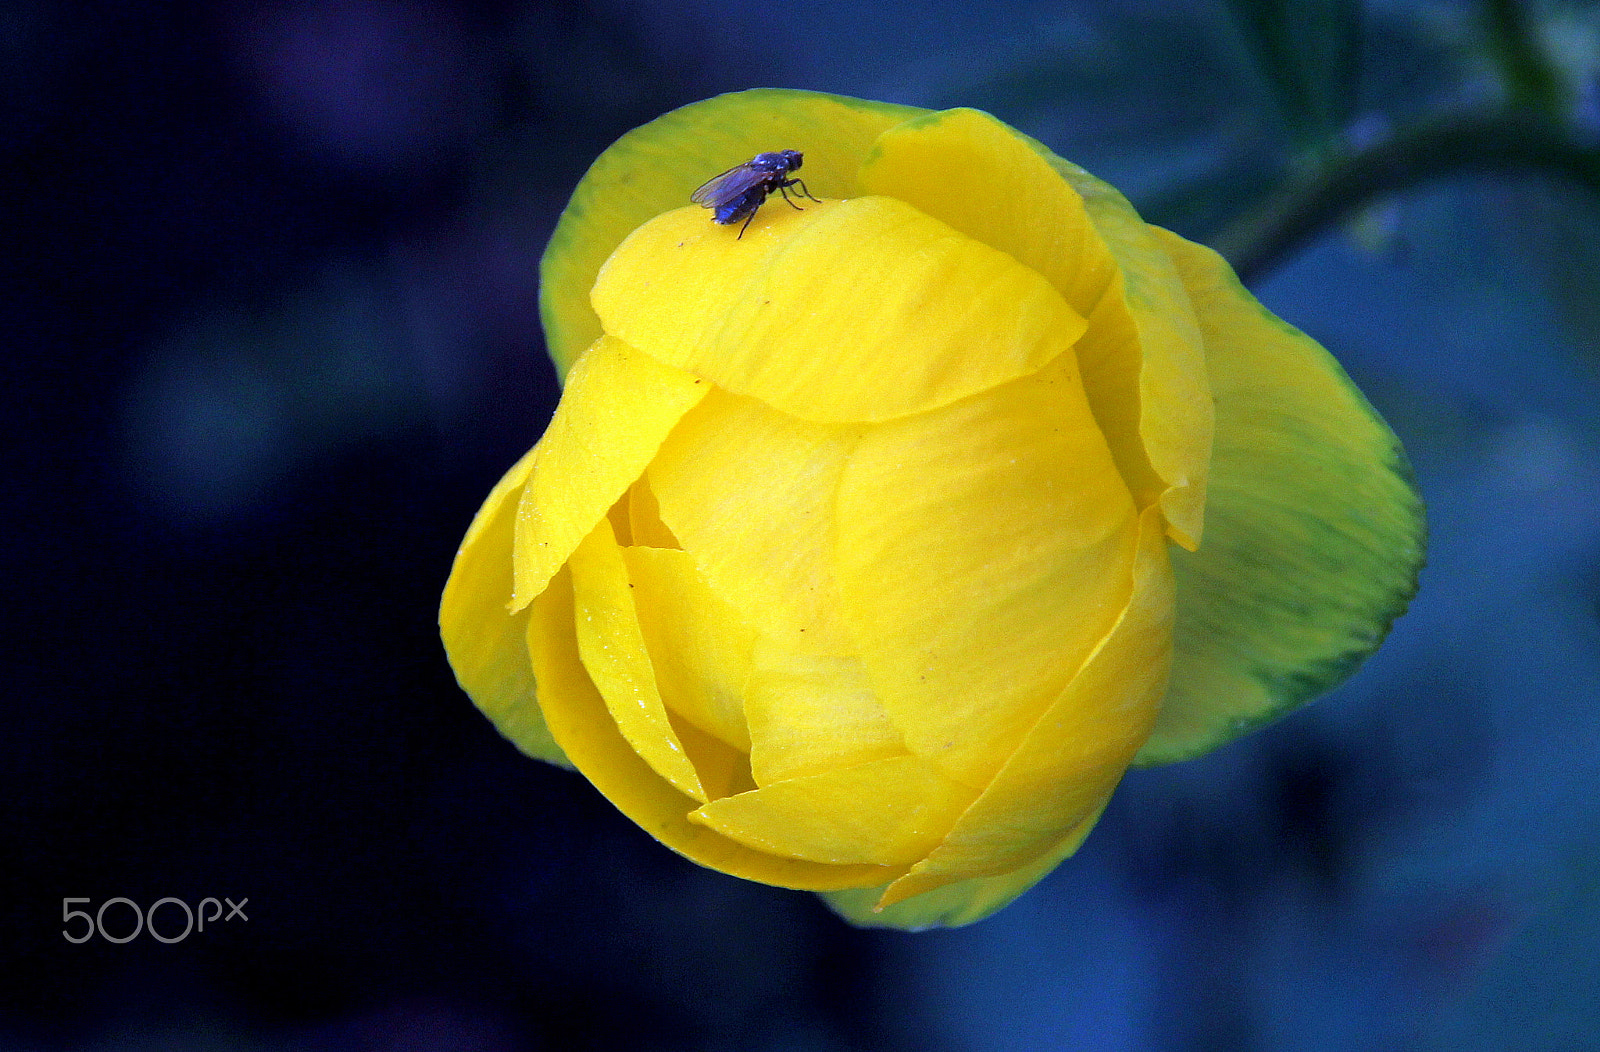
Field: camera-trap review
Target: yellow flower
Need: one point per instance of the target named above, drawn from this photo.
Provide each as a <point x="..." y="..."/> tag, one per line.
<point x="866" y="551"/>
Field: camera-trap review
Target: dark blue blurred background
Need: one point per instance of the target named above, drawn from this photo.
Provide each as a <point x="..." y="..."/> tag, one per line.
<point x="272" y="335"/>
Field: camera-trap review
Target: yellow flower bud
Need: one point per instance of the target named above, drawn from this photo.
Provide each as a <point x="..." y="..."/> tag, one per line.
<point x="859" y="550"/>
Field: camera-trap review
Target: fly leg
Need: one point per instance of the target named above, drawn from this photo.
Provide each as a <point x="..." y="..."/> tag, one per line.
<point x="783" y="189"/>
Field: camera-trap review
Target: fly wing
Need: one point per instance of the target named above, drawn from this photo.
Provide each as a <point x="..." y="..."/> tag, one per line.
<point x="723" y="188"/>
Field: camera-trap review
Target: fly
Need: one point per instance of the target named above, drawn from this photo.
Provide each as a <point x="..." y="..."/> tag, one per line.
<point x="738" y="192"/>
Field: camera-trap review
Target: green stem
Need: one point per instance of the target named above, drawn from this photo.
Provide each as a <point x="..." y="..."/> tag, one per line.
<point x="1525" y="69"/>
<point x="1257" y="242"/>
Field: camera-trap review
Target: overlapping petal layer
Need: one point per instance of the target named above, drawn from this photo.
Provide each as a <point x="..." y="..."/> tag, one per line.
<point x="749" y="492"/>
<point x="584" y="730"/>
<point x="612" y="648"/>
<point x="653" y="169"/>
<point x="617" y="410"/>
<point x="486" y="645"/>
<point x="1063" y="772"/>
<point x="777" y="315"/>
<point x="888" y="812"/>
<point x="982" y="553"/>
<point x="844" y="564"/>
<point x="1317" y="531"/>
<point x="701" y="649"/>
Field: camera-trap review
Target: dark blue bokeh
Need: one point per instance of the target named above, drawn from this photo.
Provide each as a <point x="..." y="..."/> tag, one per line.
<point x="273" y="335"/>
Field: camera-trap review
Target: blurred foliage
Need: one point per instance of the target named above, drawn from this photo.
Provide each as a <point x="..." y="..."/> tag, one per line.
<point x="1309" y="52"/>
<point x="1274" y="119"/>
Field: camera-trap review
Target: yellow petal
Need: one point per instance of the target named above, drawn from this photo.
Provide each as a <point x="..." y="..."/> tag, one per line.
<point x="617" y="409"/>
<point x="1174" y="399"/>
<point x="953" y="905"/>
<point x="644" y="518"/>
<point x="1141" y="356"/>
<point x="851" y="310"/>
<point x="486" y="644"/>
<point x="699" y="645"/>
<point x="1007" y="196"/>
<point x="1073" y="757"/>
<point x="612" y="648"/>
<point x="655" y="168"/>
<point x="1315" y="533"/>
<point x="810" y="713"/>
<point x="983" y="551"/>
<point x="887" y="813"/>
<point x="581" y="725"/>
<point x="749" y="493"/>
<point x="723" y="769"/>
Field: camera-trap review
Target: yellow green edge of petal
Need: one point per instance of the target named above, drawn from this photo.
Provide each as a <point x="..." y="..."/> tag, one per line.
<point x="1295" y="688"/>
<point x="1290" y="687"/>
<point x="566" y="337"/>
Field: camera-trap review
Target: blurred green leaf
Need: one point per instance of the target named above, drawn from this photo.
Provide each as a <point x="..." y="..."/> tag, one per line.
<point x="1308" y="51"/>
<point x="1554" y="227"/>
<point x="1526" y="71"/>
<point x="1141" y="102"/>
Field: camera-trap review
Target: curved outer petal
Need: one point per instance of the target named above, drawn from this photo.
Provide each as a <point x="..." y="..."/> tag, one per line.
<point x="887" y="812"/>
<point x="487" y="646"/>
<point x="1059" y="779"/>
<point x="701" y="649"/>
<point x="1141" y="357"/>
<point x="1175" y="406"/>
<point x="952" y="905"/>
<point x="616" y="412"/>
<point x="612" y="648"/>
<point x="580" y="724"/>
<point x="1315" y="534"/>
<point x="749" y="493"/>
<point x="865" y="309"/>
<point x="1007" y="196"/>
<point x="655" y="168"/>
<point x="982" y="553"/>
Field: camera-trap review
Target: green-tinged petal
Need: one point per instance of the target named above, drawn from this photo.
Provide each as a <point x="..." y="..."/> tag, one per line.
<point x="655" y="168"/>
<point x="580" y="724"/>
<point x="1066" y="768"/>
<point x="487" y="645"/>
<point x="1175" y="411"/>
<point x="886" y="813"/>
<point x="699" y="645"/>
<point x="749" y="493"/>
<point x="953" y="905"/>
<point x="854" y="310"/>
<point x="617" y="409"/>
<point x="810" y="713"/>
<point x="612" y="648"/>
<point x="983" y="551"/>
<point x="1315" y="532"/>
